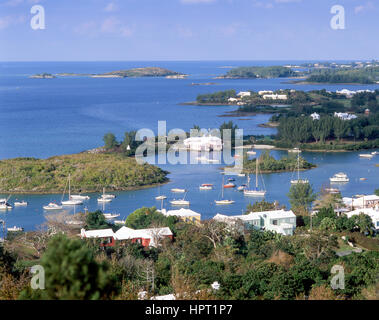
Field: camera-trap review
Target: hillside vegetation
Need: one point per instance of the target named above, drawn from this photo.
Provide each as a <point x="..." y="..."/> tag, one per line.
<point x="89" y="173"/>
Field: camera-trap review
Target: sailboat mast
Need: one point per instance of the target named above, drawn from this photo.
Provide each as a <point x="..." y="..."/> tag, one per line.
<point x="298" y="167"/>
<point x="256" y="174"/>
<point x="222" y="188"/>
<point x="69" y="187"/>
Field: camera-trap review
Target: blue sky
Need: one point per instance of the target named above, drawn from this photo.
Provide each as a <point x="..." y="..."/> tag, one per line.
<point x="93" y="30"/>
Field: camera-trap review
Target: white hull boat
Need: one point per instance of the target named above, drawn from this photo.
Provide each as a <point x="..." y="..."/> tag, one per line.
<point x="339" y="178"/>
<point x="110" y="216"/>
<point x="79" y="197"/>
<point x="177" y="190"/>
<point x="104" y="200"/>
<point x="254" y="193"/>
<point x="4" y="205"/>
<point x="160" y="198"/>
<point x="15" y="229"/>
<point x="224" y="202"/>
<point x="251" y="153"/>
<point x="205" y="188"/>
<point x="20" y="204"/>
<point x="72" y="203"/>
<point x="53" y="206"/>
<point x="300" y="181"/>
<point x="366" y="156"/>
<point x="180" y="203"/>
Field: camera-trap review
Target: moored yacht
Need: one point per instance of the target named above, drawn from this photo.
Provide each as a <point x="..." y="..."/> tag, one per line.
<point x="70" y="202"/>
<point x="110" y="216"/>
<point x="79" y="197"/>
<point x="20" y="203"/>
<point x="53" y="206"/>
<point x="366" y="155"/>
<point x="4" y="205"/>
<point x="298" y="180"/>
<point x="254" y="192"/>
<point x="178" y="190"/>
<point x="339" y="177"/>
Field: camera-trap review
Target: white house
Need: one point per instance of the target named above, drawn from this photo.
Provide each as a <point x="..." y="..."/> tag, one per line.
<point x="279" y="221"/>
<point x="345" y="116"/>
<point x="262" y="92"/>
<point x="147" y="237"/>
<point x="206" y="143"/>
<point x="275" y="96"/>
<point x="244" y="94"/>
<point x="373" y="213"/>
<point x="315" y="116"/>
<point x="367" y="201"/>
<point x="346" y="92"/>
<point x="186" y="215"/>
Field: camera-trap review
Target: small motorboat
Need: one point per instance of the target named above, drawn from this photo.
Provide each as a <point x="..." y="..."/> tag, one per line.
<point x="160" y="197"/>
<point x="254" y="193"/>
<point x="332" y="190"/>
<point x="110" y="216"/>
<point x="294" y="150"/>
<point x="375" y="153"/>
<point x="242" y="187"/>
<point x="15" y="229"/>
<point x="363" y="179"/>
<point x="20" y="203"/>
<point x="229" y="185"/>
<point x="205" y="188"/>
<point x="53" y="206"/>
<point x="339" y="177"/>
<point x="231" y="179"/>
<point x="178" y="190"/>
<point x="180" y="202"/>
<point x="366" y="155"/>
<point x="103" y="200"/>
<point x="251" y="153"/>
<point x="79" y="197"/>
<point x="223" y="202"/>
<point x="207" y="185"/>
<point x="241" y="175"/>
<point x="4" y="205"/>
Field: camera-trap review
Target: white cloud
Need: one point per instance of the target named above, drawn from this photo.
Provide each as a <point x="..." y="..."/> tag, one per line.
<point x="8" y="21"/>
<point x="111" y="7"/>
<point x="364" y="7"/>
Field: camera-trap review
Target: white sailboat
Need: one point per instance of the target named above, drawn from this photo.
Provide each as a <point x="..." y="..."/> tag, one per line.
<point x="298" y="180"/>
<point x="53" y="206"/>
<point x="223" y="201"/>
<point x="20" y="203"/>
<point x="178" y="190"/>
<point x="4" y="205"/>
<point x="79" y="197"/>
<point x="70" y="202"/>
<point x="110" y="216"/>
<point x="256" y="192"/>
<point x="181" y="202"/>
<point x="160" y="196"/>
<point x="106" y="197"/>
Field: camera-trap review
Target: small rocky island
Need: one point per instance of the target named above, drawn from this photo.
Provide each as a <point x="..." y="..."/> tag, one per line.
<point x="42" y="76"/>
<point x="129" y="73"/>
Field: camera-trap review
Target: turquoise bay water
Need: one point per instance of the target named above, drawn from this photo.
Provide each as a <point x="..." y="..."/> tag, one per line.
<point x="46" y="117"/>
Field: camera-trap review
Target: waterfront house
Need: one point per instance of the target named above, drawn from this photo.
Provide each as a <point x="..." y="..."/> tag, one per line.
<point x="275" y="96"/>
<point x="279" y="221"/>
<point x="244" y="94"/>
<point x="373" y="213"/>
<point x="106" y="235"/>
<point x="206" y="143"/>
<point x="185" y="215"/>
<point x="146" y="237"/>
<point x="315" y="116"/>
<point x="365" y="201"/>
<point x="262" y="92"/>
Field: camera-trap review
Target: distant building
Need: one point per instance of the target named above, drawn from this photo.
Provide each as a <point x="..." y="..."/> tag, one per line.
<point x="373" y="213"/>
<point x="146" y="237"/>
<point x="275" y="96"/>
<point x="244" y="94"/>
<point x="265" y="92"/>
<point x="279" y="221"/>
<point x="315" y="116"/>
<point x="233" y="100"/>
<point x="367" y="201"/>
<point x="183" y="214"/>
<point x="206" y="143"/>
<point x="345" y="116"/>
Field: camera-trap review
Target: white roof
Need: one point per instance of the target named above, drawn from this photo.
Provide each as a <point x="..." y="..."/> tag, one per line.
<point x="183" y="212"/>
<point x="101" y="233"/>
<point x="203" y="139"/>
<point x="276" y="214"/>
<point x="125" y="233"/>
<point x="372" y="212"/>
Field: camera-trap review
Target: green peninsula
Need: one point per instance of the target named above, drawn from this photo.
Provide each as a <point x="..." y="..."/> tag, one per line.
<point x="89" y="173"/>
